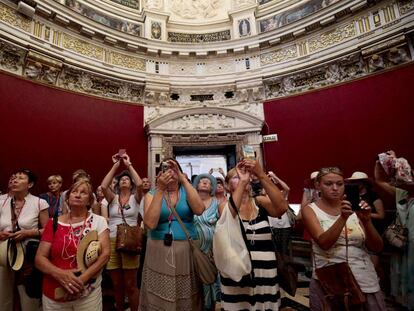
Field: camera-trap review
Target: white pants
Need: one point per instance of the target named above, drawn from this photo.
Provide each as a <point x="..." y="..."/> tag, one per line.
<point x="6" y="293"/>
<point x="92" y="302"/>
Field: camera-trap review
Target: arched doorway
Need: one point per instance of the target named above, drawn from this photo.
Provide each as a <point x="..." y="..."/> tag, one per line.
<point x="202" y="130"/>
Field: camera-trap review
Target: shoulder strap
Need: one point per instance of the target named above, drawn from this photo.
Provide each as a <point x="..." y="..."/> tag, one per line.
<point x="122" y="210"/>
<point x="13" y="218"/>
<point x="346" y="242"/>
<point x="181" y="223"/>
<point x="233" y="205"/>
<point x="346" y="248"/>
<point x="55" y="223"/>
<point x="243" y="232"/>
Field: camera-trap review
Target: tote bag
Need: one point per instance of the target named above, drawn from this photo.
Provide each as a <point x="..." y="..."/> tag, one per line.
<point x="229" y="248"/>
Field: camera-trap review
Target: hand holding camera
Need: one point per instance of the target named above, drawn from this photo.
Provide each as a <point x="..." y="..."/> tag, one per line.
<point x="364" y="213"/>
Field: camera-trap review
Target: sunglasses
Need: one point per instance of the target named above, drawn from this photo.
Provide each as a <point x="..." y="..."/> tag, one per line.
<point x="328" y="170"/>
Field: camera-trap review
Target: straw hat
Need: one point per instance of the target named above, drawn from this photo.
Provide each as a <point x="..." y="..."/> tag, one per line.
<point x="358" y="176"/>
<point x="11" y="254"/>
<point x="88" y="250"/>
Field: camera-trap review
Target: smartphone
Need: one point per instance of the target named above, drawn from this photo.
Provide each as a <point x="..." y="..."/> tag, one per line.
<point x="121" y="153"/>
<point x="168" y="239"/>
<point x="248" y="152"/>
<point x="164" y="167"/>
<point x="352" y="195"/>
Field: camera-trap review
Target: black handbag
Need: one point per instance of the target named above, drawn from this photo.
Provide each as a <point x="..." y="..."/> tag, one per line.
<point x="32" y="277"/>
<point x="286" y="271"/>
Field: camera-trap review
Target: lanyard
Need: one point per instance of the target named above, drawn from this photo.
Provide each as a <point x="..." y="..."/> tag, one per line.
<point x="170" y="207"/>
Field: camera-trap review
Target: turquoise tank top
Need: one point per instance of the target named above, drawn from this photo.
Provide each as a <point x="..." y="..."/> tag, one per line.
<point x="186" y="214"/>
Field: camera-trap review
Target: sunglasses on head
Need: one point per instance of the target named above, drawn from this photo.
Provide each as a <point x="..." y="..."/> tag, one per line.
<point x="327" y="170"/>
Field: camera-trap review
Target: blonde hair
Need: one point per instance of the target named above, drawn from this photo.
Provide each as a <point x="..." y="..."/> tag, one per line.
<point x="230" y="174"/>
<point x="329" y="170"/>
<point x="57" y="178"/>
<point x="77" y="185"/>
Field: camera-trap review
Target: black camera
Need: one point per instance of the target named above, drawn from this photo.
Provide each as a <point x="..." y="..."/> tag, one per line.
<point x="164" y="167"/>
<point x="168" y="239"/>
<point x="256" y="188"/>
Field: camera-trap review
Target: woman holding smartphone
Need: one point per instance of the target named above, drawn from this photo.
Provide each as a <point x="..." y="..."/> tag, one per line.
<point x="339" y="235"/>
<point x="169" y="281"/>
<point x="260" y="292"/>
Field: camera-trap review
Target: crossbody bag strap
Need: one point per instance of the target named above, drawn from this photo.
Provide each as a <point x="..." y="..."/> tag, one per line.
<point x="122" y="210"/>
<point x="181" y="223"/>
<point x="243" y="232"/>
<point x="122" y="214"/>
<point x="13" y="217"/>
<point x="233" y="205"/>
<point x="346" y="243"/>
<point x="346" y="248"/>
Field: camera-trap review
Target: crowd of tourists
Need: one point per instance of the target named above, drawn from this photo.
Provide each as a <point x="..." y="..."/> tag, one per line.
<point x="218" y="240"/>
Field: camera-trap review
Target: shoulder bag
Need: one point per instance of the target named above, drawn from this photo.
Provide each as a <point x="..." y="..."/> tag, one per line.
<point x="286" y="272"/>
<point x="396" y="233"/>
<point x="128" y="238"/>
<point x="339" y="284"/>
<point x="203" y="263"/>
<point x="230" y="250"/>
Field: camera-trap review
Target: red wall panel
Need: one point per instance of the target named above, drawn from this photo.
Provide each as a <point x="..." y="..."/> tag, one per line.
<point x="52" y="131"/>
<point x="347" y="126"/>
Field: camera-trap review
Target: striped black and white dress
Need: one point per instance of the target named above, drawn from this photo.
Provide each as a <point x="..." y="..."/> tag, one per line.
<point x="263" y="292"/>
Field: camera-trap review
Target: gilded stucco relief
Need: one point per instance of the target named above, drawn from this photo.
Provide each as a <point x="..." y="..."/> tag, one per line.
<point x="11" y="17"/>
<point x="332" y="37"/>
<point x="82" y="47"/>
<point x="128" y="61"/>
<point x="279" y="56"/>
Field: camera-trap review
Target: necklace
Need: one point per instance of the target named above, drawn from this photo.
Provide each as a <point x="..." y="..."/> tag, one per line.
<point x="251" y="222"/>
<point x="123" y="204"/>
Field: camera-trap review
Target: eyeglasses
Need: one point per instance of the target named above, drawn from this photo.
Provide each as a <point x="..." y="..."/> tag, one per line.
<point x="327" y="170"/>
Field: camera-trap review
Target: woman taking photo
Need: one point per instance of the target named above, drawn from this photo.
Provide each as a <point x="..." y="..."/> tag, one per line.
<point x="205" y="224"/>
<point x="262" y="291"/>
<point x="169" y="281"/>
<point x="123" y="202"/>
<point x="341" y="235"/>
<point x="22" y="218"/>
<point x="64" y="286"/>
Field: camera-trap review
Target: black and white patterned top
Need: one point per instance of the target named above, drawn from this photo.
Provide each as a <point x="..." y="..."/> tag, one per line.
<point x="261" y="293"/>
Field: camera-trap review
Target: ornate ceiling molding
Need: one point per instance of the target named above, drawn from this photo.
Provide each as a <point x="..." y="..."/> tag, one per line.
<point x="369" y="40"/>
